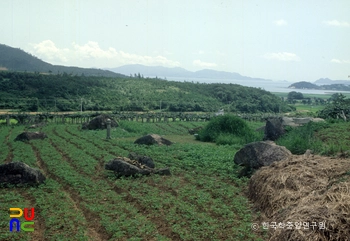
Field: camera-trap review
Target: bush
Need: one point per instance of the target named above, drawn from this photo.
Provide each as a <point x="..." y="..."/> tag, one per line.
<point x="298" y="140"/>
<point x="227" y="129"/>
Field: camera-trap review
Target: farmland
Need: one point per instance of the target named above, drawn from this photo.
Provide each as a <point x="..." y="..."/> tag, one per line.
<point x="202" y="200"/>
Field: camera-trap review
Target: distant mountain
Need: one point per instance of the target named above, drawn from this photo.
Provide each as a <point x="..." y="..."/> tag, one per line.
<point x="326" y="81"/>
<point x="14" y="59"/>
<point x="162" y="72"/>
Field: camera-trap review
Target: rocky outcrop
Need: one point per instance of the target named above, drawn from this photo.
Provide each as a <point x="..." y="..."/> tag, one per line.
<point x="152" y="139"/>
<point x="20" y="173"/>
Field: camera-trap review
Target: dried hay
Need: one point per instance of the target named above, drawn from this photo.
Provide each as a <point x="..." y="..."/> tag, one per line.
<point x="304" y="189"/>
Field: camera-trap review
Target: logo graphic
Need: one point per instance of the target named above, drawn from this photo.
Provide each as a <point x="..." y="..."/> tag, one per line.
<point x="15" y="221"/>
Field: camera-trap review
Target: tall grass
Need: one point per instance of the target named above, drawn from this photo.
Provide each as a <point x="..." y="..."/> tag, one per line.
<point x="228" y="130"/>
<point x="298" y="140"/>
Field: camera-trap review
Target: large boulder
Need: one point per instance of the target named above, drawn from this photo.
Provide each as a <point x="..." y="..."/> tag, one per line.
<point x="152" y="139"/>
<point x="27" y="136"/>
<point x="288" y="121"/>
<point x="123" y="166"/>
<point x="258" y="154"/>
<point x="99" y="122"/>
<point x="273" y="129"/>
<point x="20" y="173"/>
<point x="143" y="160"/>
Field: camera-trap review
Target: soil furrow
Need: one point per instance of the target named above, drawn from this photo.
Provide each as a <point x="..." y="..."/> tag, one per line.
<point x="95" y="230"/>
<point x="162" y="225"/>
<point x="39" y="230"/>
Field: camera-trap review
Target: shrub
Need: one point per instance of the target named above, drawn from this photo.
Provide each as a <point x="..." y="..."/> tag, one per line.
<point x="227" y="129"/>
<point x="298" y="140"/>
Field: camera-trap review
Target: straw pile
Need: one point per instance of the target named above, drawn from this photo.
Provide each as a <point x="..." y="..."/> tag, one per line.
<point x="312" y="190"/>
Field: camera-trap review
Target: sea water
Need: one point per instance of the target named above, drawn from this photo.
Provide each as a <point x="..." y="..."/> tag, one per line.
<point x="268" y="85"/>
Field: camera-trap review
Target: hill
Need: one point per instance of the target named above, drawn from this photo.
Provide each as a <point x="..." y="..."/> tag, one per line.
<point x="64" y="92"/>
<point x="303" y="85"/>
<point x="153" y="71"/>
<point x="14" y="59"/>
<point x="308" y="85"/>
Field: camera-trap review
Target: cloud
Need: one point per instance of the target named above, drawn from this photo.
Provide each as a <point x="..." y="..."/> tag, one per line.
<point x="338" y="61"/>
<point x="337" y="23"/>
<point x="48" y="50"/>
<point x="92" y="55"/>
<point x="282" y="56"/>
<point x="201" y="64"/>
<point x="280" y="22"/>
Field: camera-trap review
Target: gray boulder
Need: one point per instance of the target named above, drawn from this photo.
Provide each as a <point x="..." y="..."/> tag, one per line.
<point x="20" y="173"/>
<point x="273" y="129"/>
<point x="27" y="136"/>
<point x="123" y="166"/>
<point x="302" y="121"/>
<point x="143" y="160"/>
<point x="288" y="121"/>
<point x="152" y="139"/>
<point x="258" y="154"/>
<point x="99" y="123"/>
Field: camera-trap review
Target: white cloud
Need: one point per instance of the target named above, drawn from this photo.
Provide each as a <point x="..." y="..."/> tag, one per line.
<point x="337" y="23"/>
<point x="48" y="50"/>
<point x="201" y="64"/>
<point x="338" y="61"/>
<point x="282" y="56"/>
<point x="280" y="22"/>
<point x="92" y="55"/>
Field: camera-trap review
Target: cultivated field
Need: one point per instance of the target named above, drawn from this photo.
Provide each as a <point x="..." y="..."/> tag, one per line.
<point x="202" y="200"/>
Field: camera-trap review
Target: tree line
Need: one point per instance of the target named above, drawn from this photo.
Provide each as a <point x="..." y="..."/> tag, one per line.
<point x="64" y="92"/>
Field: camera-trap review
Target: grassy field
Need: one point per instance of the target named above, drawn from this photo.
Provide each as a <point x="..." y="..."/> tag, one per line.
<point x="202" y="200"/>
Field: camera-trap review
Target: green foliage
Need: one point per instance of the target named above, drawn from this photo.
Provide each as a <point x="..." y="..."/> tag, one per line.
<point x="298" y="140"/>
<point x="338" y="108"/>
<point x="64" y="92"/>
<point x="293" y="95"/>
<point x="202" y="200"/>
<point x="227" y="129"/>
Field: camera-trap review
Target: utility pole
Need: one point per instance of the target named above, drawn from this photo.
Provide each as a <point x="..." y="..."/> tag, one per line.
<point x="160" y="105"/>
<point x="81" y="105"/>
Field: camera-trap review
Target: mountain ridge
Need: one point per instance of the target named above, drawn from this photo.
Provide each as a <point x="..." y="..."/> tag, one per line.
<point x="161" y="71"/>
<point x="15" y="59"/>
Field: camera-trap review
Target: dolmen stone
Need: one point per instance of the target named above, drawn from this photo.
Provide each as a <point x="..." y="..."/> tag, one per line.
<point x="20" y="173"/>
<point x="152" y="139"/>
<point x="259" y="154"/>
<point x="27" y="136"/>
<point x="143" y="160"/>
<point x="99" y="123"/>
<point x="123" y="166"/>
<point x="274" y="129"/>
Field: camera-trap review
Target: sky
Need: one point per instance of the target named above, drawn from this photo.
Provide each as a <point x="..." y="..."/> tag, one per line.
<point x="272" y="39"/>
